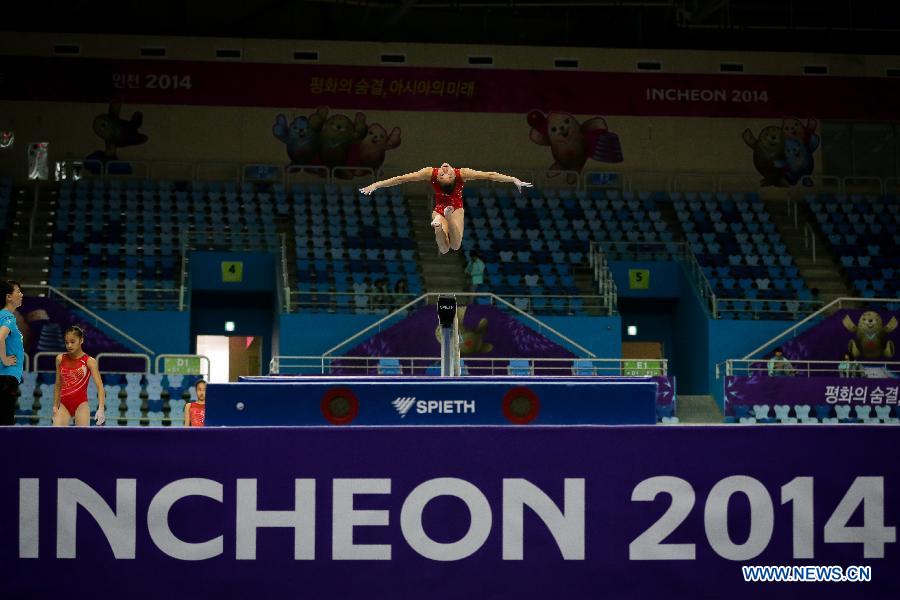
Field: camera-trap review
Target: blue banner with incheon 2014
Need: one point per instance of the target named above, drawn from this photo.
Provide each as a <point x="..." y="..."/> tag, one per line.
<point x="524" y="513"/>
<point x="436" y="401"/>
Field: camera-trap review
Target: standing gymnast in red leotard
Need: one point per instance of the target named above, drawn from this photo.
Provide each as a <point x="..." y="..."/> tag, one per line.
<point x="195" y="413"/>
<point x="447" y="182"/>
<point x="74" y="369"/>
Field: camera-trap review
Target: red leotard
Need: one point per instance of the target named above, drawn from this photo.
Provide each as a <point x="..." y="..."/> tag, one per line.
<point x="442" y="199"/>
<point x="75" y="375"/>
<point x="197" y="414"/>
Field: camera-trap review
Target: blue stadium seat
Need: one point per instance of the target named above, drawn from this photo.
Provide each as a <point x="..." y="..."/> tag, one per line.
<point x="519" y="367"/>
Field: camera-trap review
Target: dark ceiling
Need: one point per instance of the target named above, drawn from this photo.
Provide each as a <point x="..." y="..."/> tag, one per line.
<point x="809" y="26"/>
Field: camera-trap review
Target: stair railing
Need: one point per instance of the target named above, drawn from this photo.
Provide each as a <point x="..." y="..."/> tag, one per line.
<point x="51" y="291"/>
<point x="809" y="239"/>
<point x="33" y="217"/>
<point x="835" y="304"/>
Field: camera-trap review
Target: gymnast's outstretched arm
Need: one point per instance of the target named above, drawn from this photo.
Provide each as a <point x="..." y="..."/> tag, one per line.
<point x="420" y="175"/>
<point x="468" y="174"/>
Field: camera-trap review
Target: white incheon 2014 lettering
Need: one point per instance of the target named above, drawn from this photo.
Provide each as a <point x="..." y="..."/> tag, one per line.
<point x="686" y="95"/>
<point x="873" y="534"/>
<point x="158" y="519"/>
<point x="118" y="523"/>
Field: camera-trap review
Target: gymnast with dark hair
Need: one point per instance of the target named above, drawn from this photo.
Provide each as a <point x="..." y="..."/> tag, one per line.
<point x="195" y="412"/>
<point x="74" y="369"/>
<point x="447" y="183"/>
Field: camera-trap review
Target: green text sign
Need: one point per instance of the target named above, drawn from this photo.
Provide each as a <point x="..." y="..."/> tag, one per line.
<point x="182" y="365"/>
<point x="641" y="368"/>
<point x="232" y="271"/>
<point x="639" y="279"/>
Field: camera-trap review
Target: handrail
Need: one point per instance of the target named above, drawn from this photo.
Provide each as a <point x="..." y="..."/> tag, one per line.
<point x="602" y="274"/>
<point x="123" y="355"/>
<point x="33" y="217"/>
<point x="425" y="297"/>
<point x="536" y="320"/>
<point x="323" y="363"/>
<point x="306" y="169"/>
<point x="780" y="301"/>
<point x="377" y="323"/>
<point x="679" y="177"/>
<point x="158" y="360"/>
<point x="671" y="180"/>
<point x="836" y="302"/>
<point x="639" y="250"/>
<point x="369" y="174"/>
<point x="200" y="167"/>
<point x="51" y="290"/>
<point x="809" y="234"/>
<point x="850" y="179"/>
<point x="37" y="359"/>
<point x="544" y="178"/>
<point x="824" y="181"/>
<point x="701" y="282"/>
<point x="184" y="275"/>
<point x="167" y="163"/>
<point x="248" y="242"/>
<point x="107" y="171"/>
<point x="827" y="366"/>
<point x="601" y="180"/>
<point x="99" y="171"/>
<point x="394" y="295"/>
<point x="111" y="417"/>
<point x="632" y="176"/>
<point x="39" y="355"/>
<point x="793" y="210"/>
<point x="245" y="167"/>
<point x="376" y="302"/>
<point x="140" y="291"/>
<point x="892" y="185"/>
<point x="750" y="182"/>
<point x="285" y="295"/>
<point x="704" y="286"/>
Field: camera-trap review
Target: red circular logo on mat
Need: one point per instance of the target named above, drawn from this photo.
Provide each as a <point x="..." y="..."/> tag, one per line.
<point x="521" y="405"/>
<point x="340" y="406"/>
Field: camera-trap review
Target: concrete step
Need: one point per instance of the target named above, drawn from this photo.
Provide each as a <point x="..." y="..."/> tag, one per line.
<point x="431" y="264"/>
<point x="28" y="266"/>
<point x="26" y="276"/>
<point x="819" y="263"/>
<point x="39" y="244"/>
<point x="39" y="228"/>
<point x="435" y="284"/>
<point x="825" y="285"/>
<point x="698" y="409"/>
<point x="667" y="211"/>
<point x="31" y="259"/>
<point x="821" y="273"/>
<point x="793" y="239"/>
<point x="440" y="273"/>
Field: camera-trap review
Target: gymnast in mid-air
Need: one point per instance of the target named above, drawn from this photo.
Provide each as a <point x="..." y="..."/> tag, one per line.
<point x="447" y="182"/>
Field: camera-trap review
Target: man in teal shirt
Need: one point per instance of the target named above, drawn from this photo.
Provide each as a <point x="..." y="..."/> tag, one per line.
<point x="779" y="365"/>
<point x="475" y="271"/>
<point x="12" y="351"/>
